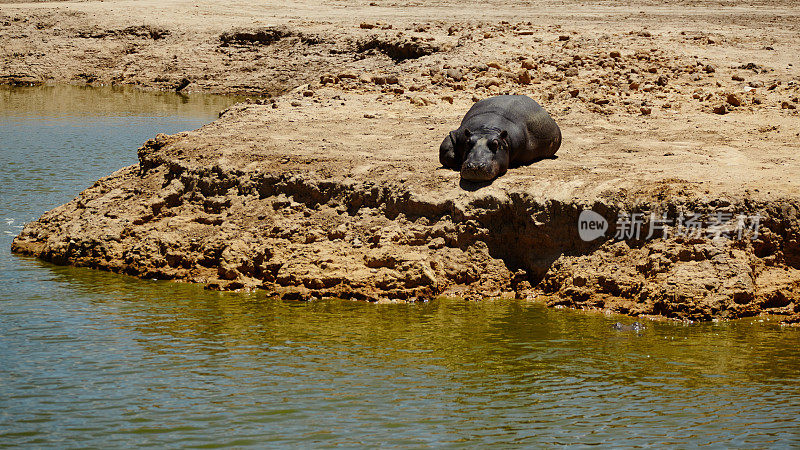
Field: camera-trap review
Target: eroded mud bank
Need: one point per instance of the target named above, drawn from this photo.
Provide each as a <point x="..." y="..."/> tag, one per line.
<point x="305" y="236"/>
<point x="331" y="187"/>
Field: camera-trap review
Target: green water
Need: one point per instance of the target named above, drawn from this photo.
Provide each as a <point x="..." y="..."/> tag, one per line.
<point x="91" y="359"/>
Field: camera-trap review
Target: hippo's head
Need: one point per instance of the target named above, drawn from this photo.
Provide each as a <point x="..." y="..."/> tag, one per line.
<point x="486" y="154"/>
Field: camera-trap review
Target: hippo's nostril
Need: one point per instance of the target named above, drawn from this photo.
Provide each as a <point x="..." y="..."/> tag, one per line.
<point x="477" y="173"/>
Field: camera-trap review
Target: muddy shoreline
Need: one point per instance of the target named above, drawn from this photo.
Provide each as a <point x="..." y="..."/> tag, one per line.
<point x="326" y="184"/>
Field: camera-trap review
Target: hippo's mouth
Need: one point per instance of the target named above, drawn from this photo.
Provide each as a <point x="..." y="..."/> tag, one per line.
<point x="483" y="172"/>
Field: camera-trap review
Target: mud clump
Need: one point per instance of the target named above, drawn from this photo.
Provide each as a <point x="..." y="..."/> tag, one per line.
<point x="398" y="48"/>
<point x="139" y="31"/>
<point x="253" y="36"/>
<point x="20" y="80"/>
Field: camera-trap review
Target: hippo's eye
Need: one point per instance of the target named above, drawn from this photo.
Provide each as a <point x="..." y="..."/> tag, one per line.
<point x="493" y="145"/>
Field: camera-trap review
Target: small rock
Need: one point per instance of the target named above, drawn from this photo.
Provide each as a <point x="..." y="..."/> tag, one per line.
<point x="507" y="74"/>
<point x="645" y="110"/>
<point x="563" y="37"/>
<point x="494" y="81"/>
<point x="367" y="26"/>
<point x="378" y="79"/>
<point x="299" y="89"/>
<point x="350" y="75"/>
<point x="391" y="79"/>
<point x="338" y="232"/>
<point x="709" y="69"/>
<point x="308" y="93"/>
<point x="448" y="98"/>
<point x="455" y="74"/>
<point x="734" y="100"/>
<point x="436" y="243"/>
<point x="494" y="65"/>
<point x="182" y="84"/>
<point x="633" y="86"/>
<point x="419" y="100"/>
<point x="600" y="101"/>
<point x="787" y="105"/>
<point x="662" y="80"/>
<point x="571" y="72"/>
<point x="524" y="77"/>
<point x="720" y="109"/>
<point x="574" y="92"/>
<point x="615" y="54"/>
<point x="528" y="64"/>
<point x="296" y="103"/>
<point x="737" y="78"/>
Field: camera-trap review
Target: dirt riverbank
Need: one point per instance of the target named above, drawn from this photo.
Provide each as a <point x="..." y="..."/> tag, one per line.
<point x="327" y="183"/>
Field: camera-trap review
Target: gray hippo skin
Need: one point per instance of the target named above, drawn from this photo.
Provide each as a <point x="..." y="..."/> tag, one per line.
<point x="498" y="132"/>
<point x="635" y="326"/>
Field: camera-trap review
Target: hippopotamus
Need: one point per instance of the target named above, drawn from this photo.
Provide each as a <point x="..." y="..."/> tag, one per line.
<point x="635" y="326"/>
<point x="498" y="133"/>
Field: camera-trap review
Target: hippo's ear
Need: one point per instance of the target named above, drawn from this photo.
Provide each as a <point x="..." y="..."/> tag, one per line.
<point x="503" y="134"/>
<point x="467" y="133"/>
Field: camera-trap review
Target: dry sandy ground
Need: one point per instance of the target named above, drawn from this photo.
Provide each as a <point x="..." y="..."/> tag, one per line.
<point x="328" y="184"/>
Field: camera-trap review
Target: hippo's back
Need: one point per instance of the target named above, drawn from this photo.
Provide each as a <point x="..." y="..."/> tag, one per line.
<point x="534" y="132"/>
<point x="515" y="108"/>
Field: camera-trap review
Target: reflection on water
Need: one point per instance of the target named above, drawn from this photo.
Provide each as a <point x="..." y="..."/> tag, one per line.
<point x="95" y="359"/>
<point x="85" y="102"/>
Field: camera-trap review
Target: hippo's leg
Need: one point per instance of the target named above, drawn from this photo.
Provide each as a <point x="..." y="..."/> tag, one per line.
<point x="447" y="153"/>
